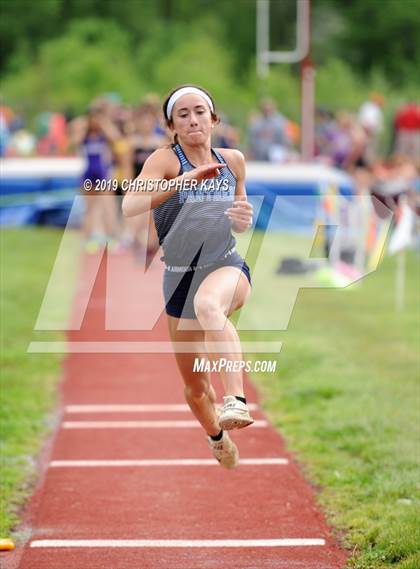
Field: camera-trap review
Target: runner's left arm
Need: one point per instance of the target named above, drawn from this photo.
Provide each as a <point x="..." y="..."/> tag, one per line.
<point x="241" y="211"/>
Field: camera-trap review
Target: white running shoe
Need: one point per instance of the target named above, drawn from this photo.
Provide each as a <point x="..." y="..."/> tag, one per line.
<point x="234" y="415"/>
<point x="225" y="451"/>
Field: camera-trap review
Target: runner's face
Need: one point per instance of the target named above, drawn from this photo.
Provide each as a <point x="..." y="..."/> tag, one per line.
<point x="192" y="120"/>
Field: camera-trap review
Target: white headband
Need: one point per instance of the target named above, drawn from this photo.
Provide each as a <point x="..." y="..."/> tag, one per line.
<point x="186" y="91"/>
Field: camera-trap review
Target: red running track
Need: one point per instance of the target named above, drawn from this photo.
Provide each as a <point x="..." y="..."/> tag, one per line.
<point x="150" y="515"/>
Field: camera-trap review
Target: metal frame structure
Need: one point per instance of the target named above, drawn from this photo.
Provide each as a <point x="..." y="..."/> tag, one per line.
<point x="301" y="54"/>
<point x="264" y="55"/>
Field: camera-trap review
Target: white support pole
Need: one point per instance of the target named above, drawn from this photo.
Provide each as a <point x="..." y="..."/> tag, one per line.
<point x="263" y="34"/>
<point x="361" y="212"/>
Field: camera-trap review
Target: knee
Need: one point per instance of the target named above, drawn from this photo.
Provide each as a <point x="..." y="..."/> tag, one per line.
<point x="207" y="310"/>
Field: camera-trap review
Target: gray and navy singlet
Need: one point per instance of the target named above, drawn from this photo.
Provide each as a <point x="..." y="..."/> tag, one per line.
<point x="192" y="226"/>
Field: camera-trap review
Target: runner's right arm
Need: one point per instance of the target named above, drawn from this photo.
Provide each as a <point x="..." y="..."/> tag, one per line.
<point x="161" y="165"/>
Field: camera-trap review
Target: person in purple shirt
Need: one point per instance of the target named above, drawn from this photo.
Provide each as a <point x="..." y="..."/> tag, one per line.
<point x="95" y="136"/>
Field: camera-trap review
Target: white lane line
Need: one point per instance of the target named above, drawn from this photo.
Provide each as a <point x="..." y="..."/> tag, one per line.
<point x="177" y="542"/>
<point x="141" y="424"/>
<point x="127" y="347"/>
<point x="163" y="462"/>
<point x="140" y="408"/>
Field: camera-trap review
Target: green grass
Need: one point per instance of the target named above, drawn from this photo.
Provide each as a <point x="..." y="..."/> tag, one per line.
<point x="346" y="397"/>
<point x="28" y="381"/>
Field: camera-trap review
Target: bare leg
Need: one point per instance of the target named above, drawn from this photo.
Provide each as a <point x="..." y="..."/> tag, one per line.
<point x="199" y="393"/>
<point x="221" y="293"/>
<point x="109" y="210"/>
<point x="92" y="216"/>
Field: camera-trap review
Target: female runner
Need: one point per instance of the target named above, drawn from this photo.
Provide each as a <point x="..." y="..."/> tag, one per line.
<point x="205" y="279"/>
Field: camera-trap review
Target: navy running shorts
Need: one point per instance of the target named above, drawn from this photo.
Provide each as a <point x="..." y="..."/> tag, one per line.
<point x="179" y="289"/>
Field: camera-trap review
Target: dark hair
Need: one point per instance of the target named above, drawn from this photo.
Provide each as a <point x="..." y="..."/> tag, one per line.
<point x="169" y="121"/>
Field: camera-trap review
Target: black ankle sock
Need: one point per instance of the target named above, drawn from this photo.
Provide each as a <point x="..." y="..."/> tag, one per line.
<point x="217" y="437"/>
<point x="240" y="399"/>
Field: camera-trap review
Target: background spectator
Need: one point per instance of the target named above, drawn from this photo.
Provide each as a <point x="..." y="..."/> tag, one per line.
<point x="268" y="140"/>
